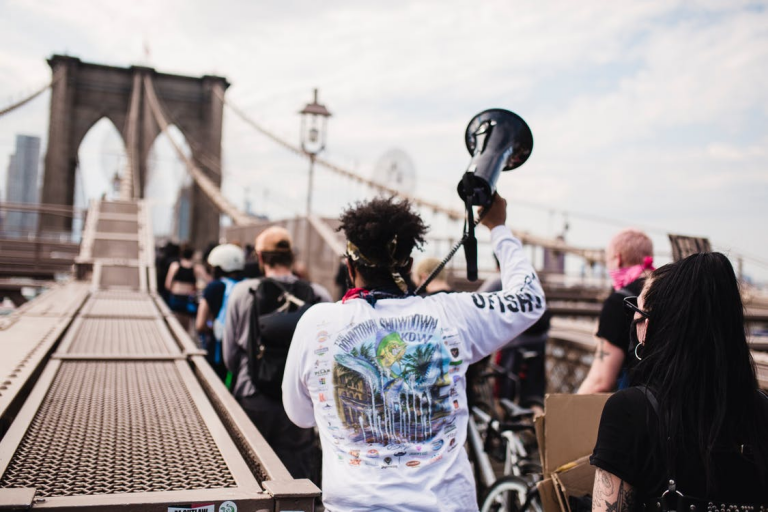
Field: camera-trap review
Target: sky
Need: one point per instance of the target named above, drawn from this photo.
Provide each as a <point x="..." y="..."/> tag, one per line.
<point x="644" y="113"/>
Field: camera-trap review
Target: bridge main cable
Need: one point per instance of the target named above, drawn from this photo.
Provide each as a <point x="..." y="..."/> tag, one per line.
<point x="32" y="96"/>
<point x="592" y="255"/>
<point x="129" y="184"/>
<point x="204" y="182"/>
<point x="451" y="213"/>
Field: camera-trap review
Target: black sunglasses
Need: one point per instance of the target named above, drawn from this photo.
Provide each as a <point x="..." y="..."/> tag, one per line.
<point x="631" y="307"/>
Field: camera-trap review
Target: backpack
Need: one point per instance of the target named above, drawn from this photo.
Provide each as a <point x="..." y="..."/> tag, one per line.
<point x="218" y="322"/>
<point x="277" y="308"/>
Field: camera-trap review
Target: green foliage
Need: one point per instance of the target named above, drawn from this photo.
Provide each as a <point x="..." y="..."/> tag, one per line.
<point x="417" y="363"/>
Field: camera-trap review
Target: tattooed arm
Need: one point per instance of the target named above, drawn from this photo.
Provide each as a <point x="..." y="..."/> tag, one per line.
<point x="605" y="368"/>
<point x="611" y="494"/>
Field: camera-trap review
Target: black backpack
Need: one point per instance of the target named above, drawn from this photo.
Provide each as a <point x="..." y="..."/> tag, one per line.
<point x="277" y="308"/>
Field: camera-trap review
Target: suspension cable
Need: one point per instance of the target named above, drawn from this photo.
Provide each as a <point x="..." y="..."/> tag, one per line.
<point x="129" y="185"/>
<point x="204" y="182"/>
<point x="592" y="255"/>
<point x="451" y="213"/>
<point x="197" y="149"/>
<point x="57" y="76"/>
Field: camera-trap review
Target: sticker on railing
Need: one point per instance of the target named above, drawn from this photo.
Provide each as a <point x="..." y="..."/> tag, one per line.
<point x="228" y="506"/>
<point x="194" y="507"/>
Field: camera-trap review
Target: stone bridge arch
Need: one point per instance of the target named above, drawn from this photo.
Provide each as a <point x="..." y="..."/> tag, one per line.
<point x="86" y="92"/>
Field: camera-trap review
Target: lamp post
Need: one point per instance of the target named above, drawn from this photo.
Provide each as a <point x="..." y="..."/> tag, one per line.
<point x="314" y="124"/>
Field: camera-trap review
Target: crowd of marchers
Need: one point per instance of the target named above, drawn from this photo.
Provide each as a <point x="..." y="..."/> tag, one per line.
<point x="367" y="395"/>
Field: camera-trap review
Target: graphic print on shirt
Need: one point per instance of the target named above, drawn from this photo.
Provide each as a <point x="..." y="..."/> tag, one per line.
<point x="392" y="386"/>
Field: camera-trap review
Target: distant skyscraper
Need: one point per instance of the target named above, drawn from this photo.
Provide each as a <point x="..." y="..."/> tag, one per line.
<point x="182" y="212"/>
<point x="21" y="184"/>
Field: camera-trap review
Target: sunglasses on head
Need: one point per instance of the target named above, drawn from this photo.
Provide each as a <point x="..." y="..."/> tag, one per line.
<point x="631" y="307"/>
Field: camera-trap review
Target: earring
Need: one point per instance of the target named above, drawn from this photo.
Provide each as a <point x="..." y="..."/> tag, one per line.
<point x="637" y="347"/>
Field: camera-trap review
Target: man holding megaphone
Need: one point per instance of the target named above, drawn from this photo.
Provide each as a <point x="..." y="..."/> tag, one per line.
<point x="382" y="372"/>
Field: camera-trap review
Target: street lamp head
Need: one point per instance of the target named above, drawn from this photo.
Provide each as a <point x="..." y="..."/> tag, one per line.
<point x="315" y="108"/>
<point x="314" y="135"/>
<point x="314" y="121"/>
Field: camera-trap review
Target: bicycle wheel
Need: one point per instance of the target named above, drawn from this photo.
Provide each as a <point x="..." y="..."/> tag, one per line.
<point x="507" y="494"/>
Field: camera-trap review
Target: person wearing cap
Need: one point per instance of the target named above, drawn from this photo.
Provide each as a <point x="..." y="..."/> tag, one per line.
<point x="293" y="445"/>
<point x="226" y="261"/>
<point x="382" y="374"/>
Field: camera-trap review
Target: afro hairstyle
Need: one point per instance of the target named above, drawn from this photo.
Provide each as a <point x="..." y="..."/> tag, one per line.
<point x="372" y="225"/>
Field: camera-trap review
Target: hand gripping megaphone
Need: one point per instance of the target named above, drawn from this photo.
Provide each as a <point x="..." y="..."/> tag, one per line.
<point x="498" y="140"/>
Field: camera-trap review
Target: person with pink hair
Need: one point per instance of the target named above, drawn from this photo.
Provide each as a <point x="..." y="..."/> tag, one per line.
<point x="629" y="260"/>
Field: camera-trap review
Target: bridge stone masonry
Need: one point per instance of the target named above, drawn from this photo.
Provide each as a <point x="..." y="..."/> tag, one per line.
<point x="106" y="402"/>
<point x="83" y="93"/>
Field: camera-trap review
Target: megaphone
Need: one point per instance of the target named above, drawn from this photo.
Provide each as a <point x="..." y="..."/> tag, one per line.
<point x="498" y="140"/>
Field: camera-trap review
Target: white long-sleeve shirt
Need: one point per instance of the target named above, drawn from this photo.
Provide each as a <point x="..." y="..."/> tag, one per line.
<point x="386" y="387"/>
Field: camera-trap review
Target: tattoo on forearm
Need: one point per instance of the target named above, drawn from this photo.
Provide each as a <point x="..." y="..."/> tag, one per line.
<point x="625" y="501"/>
<point x="604" y="488"/>
<point x="612" y="494"/>
<point x="604" y="483"/>
<point x="600" y="352"/>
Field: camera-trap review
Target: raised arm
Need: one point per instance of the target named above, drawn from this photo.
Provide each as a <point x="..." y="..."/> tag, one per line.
<point x="490" y="320"/>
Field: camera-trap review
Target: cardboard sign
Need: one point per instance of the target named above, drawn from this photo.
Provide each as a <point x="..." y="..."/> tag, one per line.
<point x="567" y="434"/>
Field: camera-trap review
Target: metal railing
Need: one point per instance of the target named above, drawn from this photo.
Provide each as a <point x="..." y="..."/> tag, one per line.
<point x="126" y="412"/>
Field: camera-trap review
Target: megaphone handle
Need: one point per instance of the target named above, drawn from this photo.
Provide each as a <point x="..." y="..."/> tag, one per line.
<point x="453" y="251"/>
<point x="470" y="245"/>
<point x="470" y="254"/>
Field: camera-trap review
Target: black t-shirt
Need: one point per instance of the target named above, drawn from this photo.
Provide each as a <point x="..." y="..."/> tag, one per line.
<point x="628" y="446"/>
<point x="185" y="275"/>
<point x="214" y="296"/>
<point x="614" y="322"/>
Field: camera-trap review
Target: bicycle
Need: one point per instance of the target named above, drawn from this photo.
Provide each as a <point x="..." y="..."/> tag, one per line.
<point x="488" y="436"/>
<point x="516" y="489"/>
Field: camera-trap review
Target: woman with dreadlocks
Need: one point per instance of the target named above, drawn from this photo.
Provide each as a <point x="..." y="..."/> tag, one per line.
<point x="382" y="372"/>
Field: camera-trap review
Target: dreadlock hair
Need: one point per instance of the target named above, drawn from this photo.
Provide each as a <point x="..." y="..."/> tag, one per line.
<point x="372" y="226"/>
<point x="698" y="362"/>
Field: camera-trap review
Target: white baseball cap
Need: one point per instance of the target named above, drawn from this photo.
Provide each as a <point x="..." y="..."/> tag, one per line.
<point x="228" y="257"/>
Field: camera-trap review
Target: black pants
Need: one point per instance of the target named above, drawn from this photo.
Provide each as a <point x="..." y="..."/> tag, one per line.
<point x="294" y="446"/>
